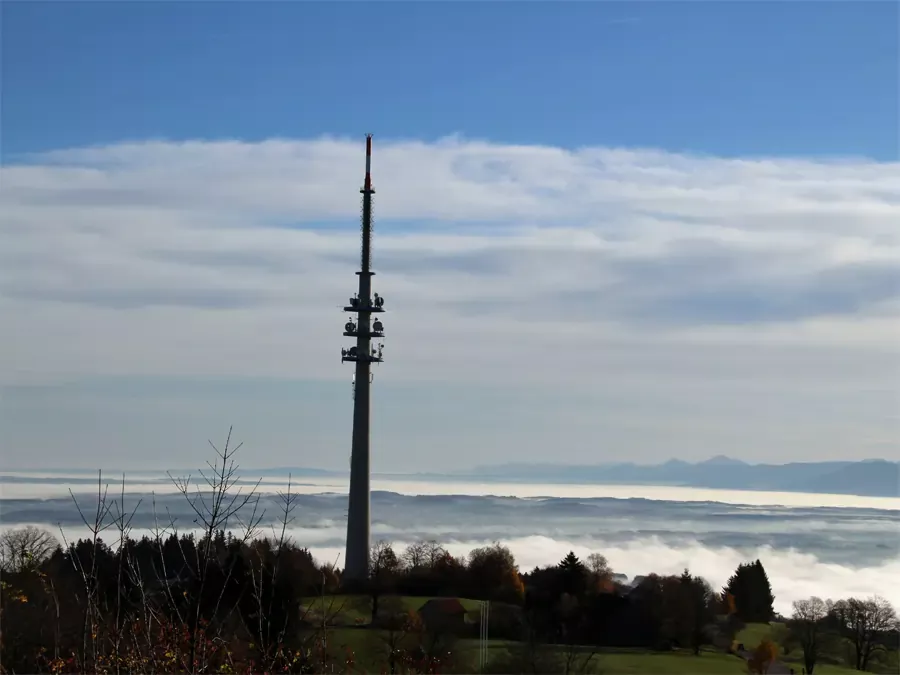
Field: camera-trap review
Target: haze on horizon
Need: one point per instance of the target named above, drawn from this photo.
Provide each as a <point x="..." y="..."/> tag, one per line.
<point x="652" y="238"/>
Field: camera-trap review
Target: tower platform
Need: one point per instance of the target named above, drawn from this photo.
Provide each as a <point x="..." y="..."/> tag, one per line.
<point x="375" y="334"/>
<point x="367" y="310"/>
<point x="362" y="359"/>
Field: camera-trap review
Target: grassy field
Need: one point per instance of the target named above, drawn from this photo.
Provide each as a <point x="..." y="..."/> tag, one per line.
<point x="754" y="633"/>
<point x="638" y="662"/>
<point x="644" y="663"/>
<point x="348" y="618"/>
<point x="828" y="663"/>
<point x="824" y="668"/>
<point x="371" y="648"/>
<point x="346" y="610"/>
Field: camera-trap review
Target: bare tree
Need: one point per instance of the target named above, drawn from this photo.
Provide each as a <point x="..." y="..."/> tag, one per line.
<point x="397" y="627"/>
<point x="264" y="572"/>
<point x="415" y="556"/>
<point x="576" y="658"/>
<point x="434" y="552"/>
<point x="598" y="565"/>
<point x="217" y="600"/>
<point x="866" y="623"/>
<point x="806" y="627"/>
<point x="383" y="565"/>
<point x="125" y="568"/>
<point x="436" y="645"/>
<point x="89" y="571"/>
<point x="216" y="505"/>
<point x="25" y="548"/>
<point x="532" y="655"/>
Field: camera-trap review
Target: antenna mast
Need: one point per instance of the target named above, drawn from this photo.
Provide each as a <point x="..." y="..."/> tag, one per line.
<point x="363" y="354"/>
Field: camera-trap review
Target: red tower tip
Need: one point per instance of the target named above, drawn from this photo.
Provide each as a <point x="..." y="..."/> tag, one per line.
<point x="368" y="145"/>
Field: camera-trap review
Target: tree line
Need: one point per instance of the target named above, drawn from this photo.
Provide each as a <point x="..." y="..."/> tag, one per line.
<point x="868" y="626"/>
<point x="222" y="603"/>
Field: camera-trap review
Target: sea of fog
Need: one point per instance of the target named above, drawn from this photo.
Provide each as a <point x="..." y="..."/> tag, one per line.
<point x="811" y="544"/>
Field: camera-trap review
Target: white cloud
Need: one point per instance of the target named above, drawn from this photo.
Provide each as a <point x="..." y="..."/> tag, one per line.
<point x="647" y="269"/>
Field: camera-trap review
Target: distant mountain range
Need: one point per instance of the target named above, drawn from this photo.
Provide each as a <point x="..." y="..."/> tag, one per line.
<point x="870" y="477"/>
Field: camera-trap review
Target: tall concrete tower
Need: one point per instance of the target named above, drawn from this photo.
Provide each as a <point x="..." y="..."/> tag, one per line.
<point x="364" y="304"/>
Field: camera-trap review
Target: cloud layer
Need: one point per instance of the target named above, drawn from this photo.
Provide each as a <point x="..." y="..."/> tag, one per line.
<point x="712" y="279"/>
<point x="810" y="544"/>
<point x="807" y="549"/>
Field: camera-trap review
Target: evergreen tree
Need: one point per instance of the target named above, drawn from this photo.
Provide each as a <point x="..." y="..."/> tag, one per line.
<point x="571" y="563"/>
<point x="696" y="610"/>
<point x="738" y="587"/>
<point x="752" y="593"/>
<point x="765" y="598"/>
<point x="574" y="574"/>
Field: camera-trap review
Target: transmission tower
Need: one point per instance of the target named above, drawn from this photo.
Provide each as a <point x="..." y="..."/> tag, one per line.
<point x="364" y="304"/>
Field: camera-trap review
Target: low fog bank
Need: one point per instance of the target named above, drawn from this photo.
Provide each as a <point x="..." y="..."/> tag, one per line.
<point x="794" y="574"/>
<point x="49" y="485"/>
<point x="832" y="552"/>
<point x="854" y="537"/>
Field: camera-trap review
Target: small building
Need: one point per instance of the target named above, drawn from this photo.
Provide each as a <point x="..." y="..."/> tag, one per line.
<point x="443" y="615"/>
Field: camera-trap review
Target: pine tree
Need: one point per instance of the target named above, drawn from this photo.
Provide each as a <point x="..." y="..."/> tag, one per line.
<point x="738" y="587"/>
<point x="752" y="593"/>
<point x="765" y="599"/>
<point x="696" y="610"/>
<point x="573" y="574"/>
<point x="571" y="562"/>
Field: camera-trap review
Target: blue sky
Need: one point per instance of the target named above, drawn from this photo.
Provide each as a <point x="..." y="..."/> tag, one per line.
<point x="636" y="230"/>
<point x="732" y="78"/>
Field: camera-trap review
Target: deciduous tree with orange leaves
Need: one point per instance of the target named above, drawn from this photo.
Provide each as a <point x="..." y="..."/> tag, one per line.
<point x="762" y="658"/>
